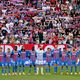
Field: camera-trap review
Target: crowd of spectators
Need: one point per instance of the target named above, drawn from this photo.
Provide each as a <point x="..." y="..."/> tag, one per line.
<point x="40" y="21"/>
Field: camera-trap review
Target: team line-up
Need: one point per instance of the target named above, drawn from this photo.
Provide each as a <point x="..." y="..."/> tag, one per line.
<point x="68" y="60"/>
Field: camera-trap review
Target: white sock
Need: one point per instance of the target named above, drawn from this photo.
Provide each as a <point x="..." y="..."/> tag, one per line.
<point x="37" y="70"/>
<point x="42" y="70"/>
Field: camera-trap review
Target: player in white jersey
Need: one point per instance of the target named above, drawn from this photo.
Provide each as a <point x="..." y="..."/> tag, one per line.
<point x="39" y="59"/>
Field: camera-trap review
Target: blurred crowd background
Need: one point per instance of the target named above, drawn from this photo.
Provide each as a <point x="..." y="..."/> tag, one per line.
<point x="40" y="21"/>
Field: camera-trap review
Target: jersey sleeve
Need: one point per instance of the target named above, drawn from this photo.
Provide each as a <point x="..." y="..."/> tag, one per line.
<point x="4" y="54"/>
<point x="60" y="53"/>
<point x="36" y="51"/>
<point x="52" y="52"/>
<point x="77" y="53"/>
<point x="12" y="53"/>
<point x="69" y="53"/>
<point x="44" y="55"/>
<point x="28" y="53"/>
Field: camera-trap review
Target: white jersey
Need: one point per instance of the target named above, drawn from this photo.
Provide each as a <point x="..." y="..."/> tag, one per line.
<point x="39" y="59"/>
<point x="39" y="54"/>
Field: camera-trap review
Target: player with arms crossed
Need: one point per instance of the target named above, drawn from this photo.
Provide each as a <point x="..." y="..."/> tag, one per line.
<point x="57" y="54"/>
<point x="40" y="59"/>
<point x="13" y="58"/>
<point x="73" y="61"/>
<point x="64" y="62"/>
<point x="3" y="54"/>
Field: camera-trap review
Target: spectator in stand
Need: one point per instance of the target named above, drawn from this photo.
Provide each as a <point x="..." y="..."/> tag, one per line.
<point x="43" y="21"/>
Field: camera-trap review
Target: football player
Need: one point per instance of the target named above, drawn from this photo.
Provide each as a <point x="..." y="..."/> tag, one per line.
<point x="49" y="53"/>
<point x="3" y="54"/>
<point x="40" y="59"/>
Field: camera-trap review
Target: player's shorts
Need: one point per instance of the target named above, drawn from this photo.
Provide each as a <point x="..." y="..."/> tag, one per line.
<point x="48" y="63"/>
<point x="19" y="63"/>
<point x="13" y="63"/>
<point x="23" y="63"/>
<point x="78" y="63"/>
<point x="64" y="63"/>
<point x="73" y="63"/>
<point x="40" y="62"/>
<point x="4" y="64"/>
<point x="33" y="63"/>
<point x="9" y="64"/>
<point x="55" y="61"/>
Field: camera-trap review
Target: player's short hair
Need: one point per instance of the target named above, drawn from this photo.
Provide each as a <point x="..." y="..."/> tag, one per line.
<point x="8" y="49"/>
<point x="15" y="48"/>
<point x="48" y="48"/>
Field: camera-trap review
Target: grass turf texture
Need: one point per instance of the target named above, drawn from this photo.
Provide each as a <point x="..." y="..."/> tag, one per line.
<point x="52" y="76"/>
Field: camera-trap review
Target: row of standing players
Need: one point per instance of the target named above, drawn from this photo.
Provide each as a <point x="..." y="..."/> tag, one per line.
<point x="39" y="58"/>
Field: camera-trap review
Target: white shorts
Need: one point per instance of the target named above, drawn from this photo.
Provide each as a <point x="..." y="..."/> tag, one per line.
<point x="40" y="62"/>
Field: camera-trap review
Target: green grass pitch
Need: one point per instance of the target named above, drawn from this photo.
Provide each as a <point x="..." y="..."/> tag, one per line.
<point x="52" y="76"/>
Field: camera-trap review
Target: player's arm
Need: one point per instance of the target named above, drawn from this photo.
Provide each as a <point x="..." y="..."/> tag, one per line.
<point x="12" y="53"/>
<point x="28" y="54"/>
<point x="77" y="55"/>
<point x="52" y="53"/>
<point x="19" y="53"/>
<point x="36" y="49"/>
<point x="4" y="54"/>
<point x="44" y="56"/>
<point x="78" y="61"/>
<point x="60" y="53"/>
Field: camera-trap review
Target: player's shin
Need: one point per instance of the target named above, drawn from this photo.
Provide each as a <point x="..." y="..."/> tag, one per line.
<point x="30" y="68"/>
<point x="8" y="70"/>
<point x="37" y="70"/>
<point x="42" y="71"/>
<point x="19" y="70"/>
<point x="23" y="69"/>
<point x="16" y="70"/>
<point x="13" y="70"/>
<point x="48" y="69"/>
<point x="75" y="69"/>
<point x="79" y="69"/>
<point x="71" y="69"/>
<point x="62" y="69"/>
<point x="67" y="69"/>
<point x="3" y="71"/>
<point x="55" y="68"/>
